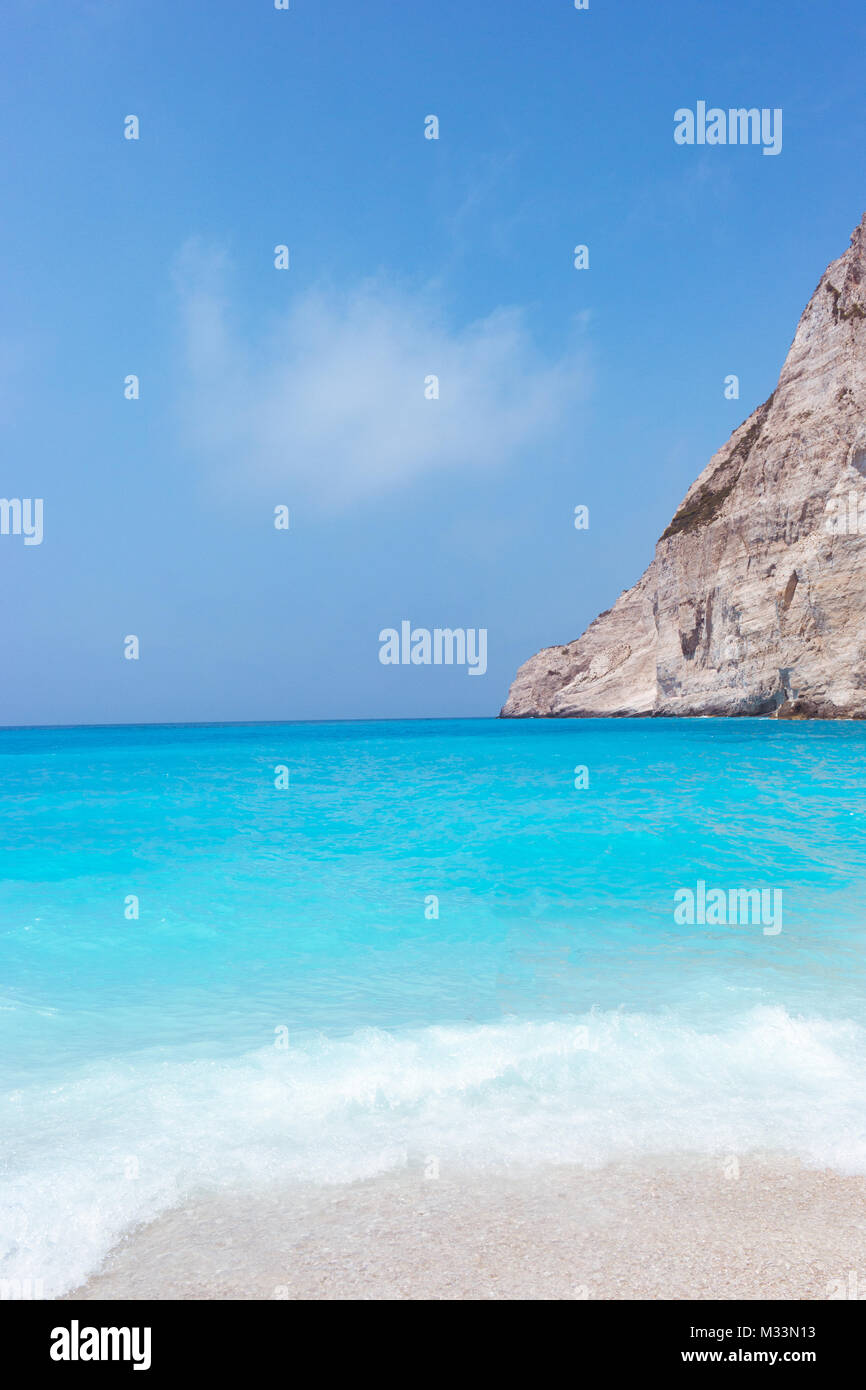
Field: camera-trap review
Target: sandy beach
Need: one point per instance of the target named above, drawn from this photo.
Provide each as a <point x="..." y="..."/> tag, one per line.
<point x="681" y="1228"/>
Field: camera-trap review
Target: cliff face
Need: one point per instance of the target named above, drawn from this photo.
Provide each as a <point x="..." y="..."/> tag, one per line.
<point x="755" y="601"/>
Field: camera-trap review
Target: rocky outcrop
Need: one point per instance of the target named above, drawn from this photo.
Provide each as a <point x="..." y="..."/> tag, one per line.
<point x="755" y="601"/>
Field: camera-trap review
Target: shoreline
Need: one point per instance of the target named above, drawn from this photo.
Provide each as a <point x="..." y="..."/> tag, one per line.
<point x="674" y="1227"/>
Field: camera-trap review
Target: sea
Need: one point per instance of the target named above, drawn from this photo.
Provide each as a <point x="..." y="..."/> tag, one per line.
<point x="238" y="958"/>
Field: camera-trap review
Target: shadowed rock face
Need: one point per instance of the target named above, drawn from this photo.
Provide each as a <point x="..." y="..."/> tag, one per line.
<point x="755" y="601"/>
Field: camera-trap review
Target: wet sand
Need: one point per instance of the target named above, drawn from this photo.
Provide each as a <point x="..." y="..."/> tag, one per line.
<point x="677" y="1228"/>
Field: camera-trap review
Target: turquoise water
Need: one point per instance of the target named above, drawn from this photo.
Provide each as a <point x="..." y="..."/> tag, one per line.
<point x="287" y="1007"/>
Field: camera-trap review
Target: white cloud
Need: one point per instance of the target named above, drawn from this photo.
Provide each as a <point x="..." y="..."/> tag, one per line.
<point x="329" y="402"/>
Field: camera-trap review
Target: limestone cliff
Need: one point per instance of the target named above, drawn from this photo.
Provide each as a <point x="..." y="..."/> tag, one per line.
<point x="755" y="601"/>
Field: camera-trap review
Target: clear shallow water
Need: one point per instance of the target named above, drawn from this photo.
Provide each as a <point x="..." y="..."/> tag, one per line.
<point x="554" y="1011"/>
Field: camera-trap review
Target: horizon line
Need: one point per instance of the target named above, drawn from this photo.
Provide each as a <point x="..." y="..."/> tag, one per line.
<point x="256" y="723"/>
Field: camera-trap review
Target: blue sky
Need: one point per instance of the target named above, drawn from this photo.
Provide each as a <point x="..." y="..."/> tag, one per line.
<point x="409" y="257"/>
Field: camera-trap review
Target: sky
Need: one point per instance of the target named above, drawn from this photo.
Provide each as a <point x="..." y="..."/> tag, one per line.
<point x="307" y="387"/>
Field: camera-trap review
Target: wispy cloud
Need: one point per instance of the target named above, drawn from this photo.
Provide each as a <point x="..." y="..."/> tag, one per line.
<point x="329" y="401"/>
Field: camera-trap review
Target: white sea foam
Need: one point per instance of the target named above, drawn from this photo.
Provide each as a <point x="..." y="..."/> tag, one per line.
<point x="117" y="1144"/>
